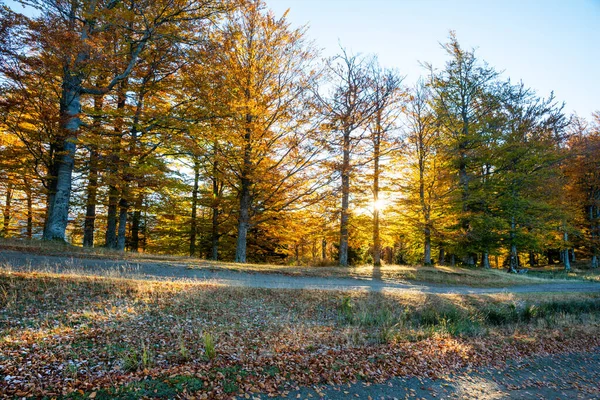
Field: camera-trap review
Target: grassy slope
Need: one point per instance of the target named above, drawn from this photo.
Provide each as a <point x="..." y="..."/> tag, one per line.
<point x="398" y="273"/>
<point x="99" y="335"/>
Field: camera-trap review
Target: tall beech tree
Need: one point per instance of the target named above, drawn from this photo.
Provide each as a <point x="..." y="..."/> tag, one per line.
<point x="386" y="97"/>
<point x="273" y="144"/>
<point x="424" y="183"/>
<point x="348" y="108"/>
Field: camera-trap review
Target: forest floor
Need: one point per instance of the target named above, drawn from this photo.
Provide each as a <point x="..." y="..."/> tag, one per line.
<point x="102" y="337"/>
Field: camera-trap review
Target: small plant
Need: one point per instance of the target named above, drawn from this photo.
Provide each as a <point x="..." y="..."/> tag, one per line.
<point x="346" y="309"/>
<point x="72" y="370"/>
<point x="184" y="352"/>
<point x="147" y="356"/>
<point x="209" y="346"/>
<point x="131" y="361"/>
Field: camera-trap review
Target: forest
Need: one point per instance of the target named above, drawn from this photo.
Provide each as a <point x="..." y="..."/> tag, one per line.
<point x="216" y="129"/>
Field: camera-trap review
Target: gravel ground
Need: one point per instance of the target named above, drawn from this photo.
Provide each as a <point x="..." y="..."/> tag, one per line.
<point x="566" y="376"/>
<point x="19" y="261"/>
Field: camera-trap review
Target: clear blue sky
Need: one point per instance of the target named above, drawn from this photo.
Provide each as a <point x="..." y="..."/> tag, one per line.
<point x="549" y="44"/>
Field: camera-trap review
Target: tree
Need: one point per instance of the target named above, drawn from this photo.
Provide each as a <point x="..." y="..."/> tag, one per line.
<point x="348" y="108"/>
<point x="76" y="40"/>
<point x="273" y="145"/>
<point x="464" y="99"/>
<point x="386" y="87"/>
<point x="526" y="159"/>
<point x="424" y="189"/>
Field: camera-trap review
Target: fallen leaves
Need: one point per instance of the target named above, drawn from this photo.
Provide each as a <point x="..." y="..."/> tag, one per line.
<point x="77" y="339"/>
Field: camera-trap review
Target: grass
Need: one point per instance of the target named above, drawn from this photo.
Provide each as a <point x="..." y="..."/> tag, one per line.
<point x="123" y="338"/>
<point x="437" y="275"/>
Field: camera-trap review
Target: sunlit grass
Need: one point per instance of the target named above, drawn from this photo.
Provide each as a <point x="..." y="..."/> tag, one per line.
<point x="442" y="275"/>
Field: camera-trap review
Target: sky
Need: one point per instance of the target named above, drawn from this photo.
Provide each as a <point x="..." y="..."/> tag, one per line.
<point x="551" y="45"/>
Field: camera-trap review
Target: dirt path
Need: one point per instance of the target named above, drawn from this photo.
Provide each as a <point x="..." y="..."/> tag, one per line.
<point x="566" y="376"/>
<point x="179" y="271"/>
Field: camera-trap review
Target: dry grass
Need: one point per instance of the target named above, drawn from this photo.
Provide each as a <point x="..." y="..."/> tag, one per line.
<point x="442" y="275"/>
<point x="99" y="332"/>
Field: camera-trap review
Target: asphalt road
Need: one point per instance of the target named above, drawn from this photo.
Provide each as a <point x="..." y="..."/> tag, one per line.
<point x="564" y="376"/>
<point x="19" y="261"/>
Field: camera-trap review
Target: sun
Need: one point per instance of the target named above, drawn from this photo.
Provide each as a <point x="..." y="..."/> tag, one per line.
<point x="379" y="204"/>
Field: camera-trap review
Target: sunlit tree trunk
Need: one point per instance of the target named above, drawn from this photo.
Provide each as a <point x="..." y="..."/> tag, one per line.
<point x="57" y="215"/>
<point x="344" y="218"/>
<point x="376" y="156"/>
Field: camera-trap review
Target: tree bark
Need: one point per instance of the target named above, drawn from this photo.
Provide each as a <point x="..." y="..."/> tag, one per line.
<point x="485" y="260"/>
<point x="566" y="258"/>
<point x="6" y="213"/>
<point x="136" y="219"/>
<point x="344" y="218"/>
<point x="442" y="256"/>
<point x="193" y="220"/>
<point x="29" y="194"/>
<point x="122" y="229"/>
<point x="513" y="263"/>
<point x="324" y="249"/>
<point x="111" y="238"/>
<point x="376" y="156"/>
<point x="92" y="187"/>
<point x="216" y="193"/>
<point x="245" y="196"/>
<point x="90" y="209"/>
<point x="57" y="215"/>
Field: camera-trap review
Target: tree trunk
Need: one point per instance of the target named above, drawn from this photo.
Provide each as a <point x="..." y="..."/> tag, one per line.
<point x="193" y="220"/>
<point x="111" y="238"/>
<point x="57" y="215"/>
<point x="122" y="230"/>
<point x="442" y="256"/>
<point x="532" y="259"/>
<point x="136" y="220"/>
<point x="92" y="187"/>
<point x="566" y="258"/>
<point x="90" y="209"/>
<point x="324" y="249"/>
<point x="427" y="247"/>
<point x="485" y="260"/>
<point x="452" y="260"/>
<point x="595" y="231"/>
<point x="376" y="156"/>
<point x="7" y="210"/>
<point x="245" y="196"/>
<point x="216" y="192"/>
<point x="243" y="222"/>
<point x="513" y="262"/>
<point x="343" y="250"/>
<point x="29" y="195"/>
